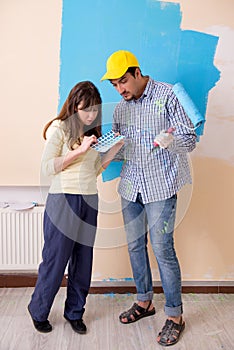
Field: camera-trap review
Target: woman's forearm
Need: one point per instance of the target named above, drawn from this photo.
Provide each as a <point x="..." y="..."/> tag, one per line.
<point x="109" y="156"/>
<point x="61" y="163"/>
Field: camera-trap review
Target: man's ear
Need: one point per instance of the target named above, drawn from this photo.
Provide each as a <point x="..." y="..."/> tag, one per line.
<point x="137" y="73"/>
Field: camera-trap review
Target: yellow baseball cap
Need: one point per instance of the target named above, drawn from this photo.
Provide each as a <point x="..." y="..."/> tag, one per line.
<point x="118" y="64"/>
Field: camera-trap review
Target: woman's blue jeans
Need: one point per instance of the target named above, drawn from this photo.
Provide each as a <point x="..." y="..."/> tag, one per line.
<point x="158" y="218"/>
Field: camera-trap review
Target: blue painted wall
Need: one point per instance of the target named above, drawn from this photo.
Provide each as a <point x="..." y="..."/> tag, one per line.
<point x="92" y="30"/>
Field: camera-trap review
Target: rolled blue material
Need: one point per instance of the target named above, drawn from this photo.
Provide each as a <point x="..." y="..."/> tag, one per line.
<point x="190" y="109"/>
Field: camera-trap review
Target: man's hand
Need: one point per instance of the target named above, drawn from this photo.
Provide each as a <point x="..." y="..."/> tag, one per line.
<point x="164" y="139"/>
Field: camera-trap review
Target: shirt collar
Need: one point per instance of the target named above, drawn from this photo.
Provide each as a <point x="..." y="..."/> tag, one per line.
<point x="148" y="88"/>
<point x="147" y="91"/>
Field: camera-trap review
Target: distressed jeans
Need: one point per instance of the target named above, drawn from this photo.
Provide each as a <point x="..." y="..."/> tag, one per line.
<point x="158" y="219"/>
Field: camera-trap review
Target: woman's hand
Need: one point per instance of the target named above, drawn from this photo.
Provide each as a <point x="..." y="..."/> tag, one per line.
<point x="60" y="163"/>
<point x="86" y="143"/>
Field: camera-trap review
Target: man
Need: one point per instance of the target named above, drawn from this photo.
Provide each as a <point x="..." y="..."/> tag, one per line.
<point x="157" y="138"/>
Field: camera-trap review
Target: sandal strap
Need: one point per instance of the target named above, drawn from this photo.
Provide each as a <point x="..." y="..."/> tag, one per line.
<point x="141" y="309"/>
<point x="147" y="309"/>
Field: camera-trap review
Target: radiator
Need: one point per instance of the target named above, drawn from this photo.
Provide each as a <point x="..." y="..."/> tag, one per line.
<point x="21" y="239"/>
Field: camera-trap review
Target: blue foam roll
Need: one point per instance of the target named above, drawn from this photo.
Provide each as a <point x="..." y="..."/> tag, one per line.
<point x="190" y="108"/>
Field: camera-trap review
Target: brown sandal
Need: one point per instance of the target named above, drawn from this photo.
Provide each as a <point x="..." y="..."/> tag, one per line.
<point x="171" y="332"/>
<point x="137" y="312"/>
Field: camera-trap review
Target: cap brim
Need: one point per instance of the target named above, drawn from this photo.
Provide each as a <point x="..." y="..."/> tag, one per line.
<point x="114" y="75"/>
<point x="105" y="77"/>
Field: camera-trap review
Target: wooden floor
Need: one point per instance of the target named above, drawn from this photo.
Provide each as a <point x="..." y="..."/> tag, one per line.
<point x="209" y="323"/>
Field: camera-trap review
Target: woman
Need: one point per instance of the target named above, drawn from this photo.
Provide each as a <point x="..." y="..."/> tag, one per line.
<point x="70" y="217"/>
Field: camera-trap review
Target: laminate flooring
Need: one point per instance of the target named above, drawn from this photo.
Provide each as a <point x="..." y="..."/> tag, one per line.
<point x="209" y="323"/>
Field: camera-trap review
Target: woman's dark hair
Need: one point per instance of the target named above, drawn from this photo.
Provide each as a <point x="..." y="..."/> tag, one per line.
<point x="86" y="93"/>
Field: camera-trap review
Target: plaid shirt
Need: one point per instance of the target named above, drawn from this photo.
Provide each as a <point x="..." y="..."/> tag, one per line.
<point x="154" y="172"/>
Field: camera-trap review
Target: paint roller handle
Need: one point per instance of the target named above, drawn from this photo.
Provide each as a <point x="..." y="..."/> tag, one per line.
<point x="169" y="131"/>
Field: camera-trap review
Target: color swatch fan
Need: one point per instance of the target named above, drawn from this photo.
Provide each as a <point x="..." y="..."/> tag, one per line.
<point x="106" y="141"/>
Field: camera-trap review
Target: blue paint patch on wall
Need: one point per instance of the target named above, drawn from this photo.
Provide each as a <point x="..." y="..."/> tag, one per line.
<point x="92" y="30"/>
<point x="125" y="279"/>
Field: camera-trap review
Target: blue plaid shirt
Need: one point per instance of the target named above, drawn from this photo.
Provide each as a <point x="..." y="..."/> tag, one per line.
<point x="154" y="172"/>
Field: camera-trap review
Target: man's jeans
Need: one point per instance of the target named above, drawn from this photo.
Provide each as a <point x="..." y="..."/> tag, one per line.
<point x="158" y="218"/>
